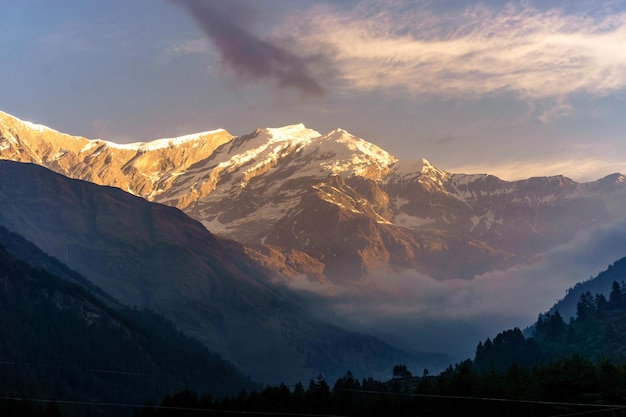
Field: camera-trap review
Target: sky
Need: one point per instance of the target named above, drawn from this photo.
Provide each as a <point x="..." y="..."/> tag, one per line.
<point x="515" y="89"/>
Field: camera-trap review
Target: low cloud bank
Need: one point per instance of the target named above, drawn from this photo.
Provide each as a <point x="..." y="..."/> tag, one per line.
<point x="451" y="316"/>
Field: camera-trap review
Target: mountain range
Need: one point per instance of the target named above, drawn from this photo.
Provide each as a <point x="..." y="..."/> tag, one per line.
<point x="278" y="206"/>
<point x="331" y="207"/>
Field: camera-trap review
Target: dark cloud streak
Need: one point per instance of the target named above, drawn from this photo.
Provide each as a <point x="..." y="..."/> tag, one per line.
<point x="248" y="56"/>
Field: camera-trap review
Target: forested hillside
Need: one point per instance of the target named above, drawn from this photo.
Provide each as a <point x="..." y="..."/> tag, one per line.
<point x="58" y="340"/>
<point x="597" y="332"/>
<point x="599" y="284"/>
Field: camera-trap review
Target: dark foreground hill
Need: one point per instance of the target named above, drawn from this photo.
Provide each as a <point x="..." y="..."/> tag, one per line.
<point x="59" y="340"/>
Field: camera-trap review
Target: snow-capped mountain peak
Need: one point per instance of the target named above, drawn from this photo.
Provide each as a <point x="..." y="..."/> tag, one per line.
<point x="358" y="145"/>
<point x="420" y="170"/>
<point x="303" y="151"/>
<point x="7" y="120"/>
<point x="140" y="168"/>
<point x="291" y="132"/>
<point x="162" y="143"/>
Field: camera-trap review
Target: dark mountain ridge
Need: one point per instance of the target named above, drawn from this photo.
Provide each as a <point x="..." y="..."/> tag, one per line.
<point x="153" y="256"/>
<point x="61" y="341"/>
<point x="600" y="284"/>
<point x="29" y="253"/>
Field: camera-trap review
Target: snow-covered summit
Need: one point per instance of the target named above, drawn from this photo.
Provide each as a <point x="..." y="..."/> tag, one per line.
<point x="163" y="142"/>
<point x="7" y="119"/>
<point x="297" y="132"/>
<point x="417" y="170"/>
<point x="337" y="152"/>
<point x="357" y="145"/>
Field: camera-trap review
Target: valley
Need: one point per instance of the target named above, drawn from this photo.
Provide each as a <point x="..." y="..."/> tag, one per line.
<point x="292" y="253"/>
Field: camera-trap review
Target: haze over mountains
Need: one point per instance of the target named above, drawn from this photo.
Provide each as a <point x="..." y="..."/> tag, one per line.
<point x="351" y="225"/>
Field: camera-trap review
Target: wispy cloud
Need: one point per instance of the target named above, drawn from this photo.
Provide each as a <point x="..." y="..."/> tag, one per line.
<point x="200" y="47"/>
<point x="194" y="46"/>
<point x="445" y="139"/>
<point x="66" y="37"/>
<point x="86" y="38"/>
<point x="519" y="50"/>
<point x="556" y="112"/>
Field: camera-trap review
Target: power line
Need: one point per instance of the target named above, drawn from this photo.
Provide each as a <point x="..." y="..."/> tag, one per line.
<point x="142" y="374"/>
<point x="606" y="407"/>
<point x="460" y="397"/>
<point x="144" y="406"/>
<point x="588" y="412"/>
<point x="117" y="372"/>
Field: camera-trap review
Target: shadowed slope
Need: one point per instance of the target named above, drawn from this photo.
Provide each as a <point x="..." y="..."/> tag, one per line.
<point x="154" y="256"/>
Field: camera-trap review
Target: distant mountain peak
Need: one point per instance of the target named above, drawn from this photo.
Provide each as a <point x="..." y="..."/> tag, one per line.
<point x="418" y="170"/>
<point x="7" y="118"/>
<point x="289" y="132"/>
<point x="11" y="123"/>
<point x="360" y="146"/>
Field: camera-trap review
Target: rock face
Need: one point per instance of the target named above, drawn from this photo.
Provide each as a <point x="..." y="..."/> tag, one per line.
<point x="143" y="169"/>
<point x="332" y="206"/>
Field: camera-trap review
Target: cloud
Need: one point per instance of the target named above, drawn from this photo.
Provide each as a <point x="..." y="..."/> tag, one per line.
<point x="479" y="51"/>
<point x="68" y="37"/>
<point x="558" y="111"/>
<point x="201" y="46"/>
<point x="248" y="56"/>
<point x="195" y="46"/>
<point x="419" y="312"/>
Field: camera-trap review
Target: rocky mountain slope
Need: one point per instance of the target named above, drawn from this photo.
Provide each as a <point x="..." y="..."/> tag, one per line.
<point x="139" y="168"/>
<point x="154" y="256"/>
<point x="332" y="206"/>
